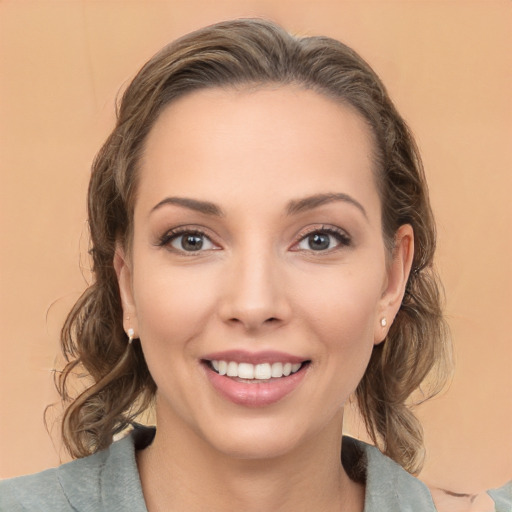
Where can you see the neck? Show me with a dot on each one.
(180, 471)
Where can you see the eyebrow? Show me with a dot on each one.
(293, 207)
(310, 202)
(205, 207)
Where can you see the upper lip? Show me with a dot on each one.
(244, 356)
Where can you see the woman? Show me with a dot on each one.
(263, 247)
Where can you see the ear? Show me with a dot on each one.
(123, 269)
(397, 275)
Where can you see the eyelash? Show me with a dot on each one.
(343, 239)
(341, 236)
(173, 234)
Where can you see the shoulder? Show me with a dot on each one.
(107, 480)
(389, 486)
(54, 489)
(502, 497)
(28, 492)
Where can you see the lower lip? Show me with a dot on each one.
(255, 393)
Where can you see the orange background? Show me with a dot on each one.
(447, 66)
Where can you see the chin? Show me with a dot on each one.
(254, 447)
(260, 438)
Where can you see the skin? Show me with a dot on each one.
(257, 285)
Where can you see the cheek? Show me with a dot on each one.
(172, 304)
(346, 332)
(340, 313)
(174, 308)
(341, 304)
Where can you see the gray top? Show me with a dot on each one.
(502, 497)
(109, 481)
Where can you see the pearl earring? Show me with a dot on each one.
(383, 322)
(130, 333)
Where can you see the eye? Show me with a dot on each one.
(187, 241)
(323, 240)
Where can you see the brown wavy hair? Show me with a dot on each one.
(236, 54)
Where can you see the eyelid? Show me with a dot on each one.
(175, 232)
(342, 235)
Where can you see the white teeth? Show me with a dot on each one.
(232, 369)
(263, 371)
(246, 371)
(277, 370)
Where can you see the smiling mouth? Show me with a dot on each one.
(255, 372)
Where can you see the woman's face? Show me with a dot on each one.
(257, 251)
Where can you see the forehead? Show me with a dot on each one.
(275, 141)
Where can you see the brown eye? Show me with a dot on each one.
(323, 240)
(190, 241)
(318, 241)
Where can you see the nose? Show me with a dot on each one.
(255, 295)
